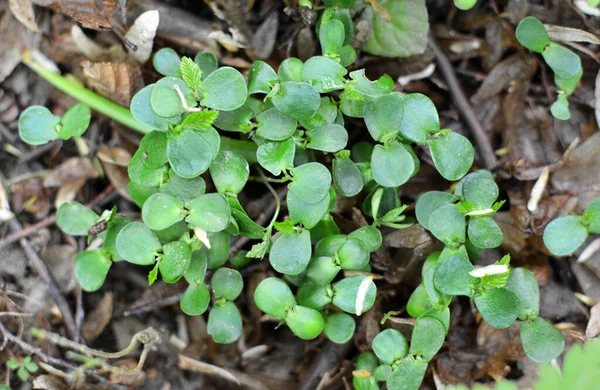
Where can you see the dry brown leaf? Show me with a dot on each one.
(118, 82)
(115, 161)
(23, 11)
(84, 11)
(96, 321)
(49, 382)
(14, 37)
(72, 169)
(593, 327)
(60, 261)
(568, 34)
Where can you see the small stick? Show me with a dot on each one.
(189, 364)
(167, 301)
(486, 152)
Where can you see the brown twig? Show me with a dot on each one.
(486, 152)
(330, 356)
(146, 307)
(39, 151)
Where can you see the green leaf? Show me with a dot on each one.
(361, 88)
(274, 297)
(560, 108)
(304, 322)
(75, 121)
(275, 156)
(297, 100)
(290, 253)
(480, 189)
(565, 235)
(75, 219)
(448, 225)
(184, 189)
(329, 245)
(339, 327)
(324, 74)
(161, 211)
(452, 154)
(189, 152)
(91, 268)
(137, 244)
(561, 60)
(153, 148)
(224, 323)
(498, 307)
(165, 100)
(306, 214)
(210, 212)
(311, 182)
(195, 299)
(568, 85)
(23, 374)
(420, 118)
(542, 342)
(430, 201)
(224, 89)
(325, 115)
(484, 232)
(261, 78)
(329, 138)
(207, 62)
(290, 69)
(347, 177)
(353, 255)
(452, 276)
(177, 257)
(383, 116)
(591, 217)
(37, 125)
(427, 337)
(166, 62)
(408, 375)
(219, 249)
(532, 34)
(392, 164)
(437, 298)
(313, 295)
(404, 35)
(191, 73)
(442, 315)
(275, 126)
(465, 5)
(227, 283)
(141, 109)
(525, 286)
(346, 294)
(390, 345)
(200, 121)
(195, 272)
(370, 237)
(322, 270)
(229, 172)
(110, 240)
(331, 37)
(142, 175)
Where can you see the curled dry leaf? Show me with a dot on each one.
(70, 176)
(568, 34)
(118, 82)
(14, 37)
(593, 326)
(114, 161)
(91, 14)
(23, 11)
(96, 321)
(60, 261)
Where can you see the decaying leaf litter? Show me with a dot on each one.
(485, 86)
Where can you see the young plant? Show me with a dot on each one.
(565, 64)
(24, 368)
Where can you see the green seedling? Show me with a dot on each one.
(24, 368)
(565, 64)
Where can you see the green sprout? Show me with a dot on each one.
(24, 368)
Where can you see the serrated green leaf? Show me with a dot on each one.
(191, 73)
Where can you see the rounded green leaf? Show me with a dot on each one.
(420, 118)
(239, 120)
(276, 156)
(532, 34)
(75, 219)
(346, 294)
(442, 315)
(370, 236)
(224, 89)
(448, 225)
(437, 298)
(227, 283)
(137, 244)
(347, 177)
(465, 4)
(452, 154)
(498, 307)
(591, 216)
(307, 214)
(427, 337)
(75, 121)
(480, 189)
(568, 85)
(561, 60)
(224, 323)
(353, 255)
(139, 193)
(290, 69)
(329, 138)
(91, 268)
(195, 272)
(153, 147)
(274, 297)
(290, 253)
(261, 78)
(484, 232)
(110, 239)
(37, 125)
(304, 322)
(383, 116)
(297, 100)
(390, 345)
(339, 327)
(207, 62)
(166, 62)
(325, 115)
(565, 235)
(195, 299)
(542, 342)
(392, 165)
(313, 295)
(141, 109)
(525, 286)
(408, 375)
(177, 256)
(560, 108)
(275, 126)
(311, 182)
(189, 153)
(164, 99)
(184, 189)
(161, 211)
(452, 276)
(430, 201)
(142, 175)
(329, 245)
(323, 73)
(210, 212)
(219, 249)
(331, 36)
(322, 270)
(229, 172)
(418, 303)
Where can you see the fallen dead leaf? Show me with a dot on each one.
(84, 12)
(60, 261)
(593, 326)
(70, 176)
(118, 82)
(96, 321)
(23, 11)
(115, 161)
(568, 34)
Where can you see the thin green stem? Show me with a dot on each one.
(277, 200)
